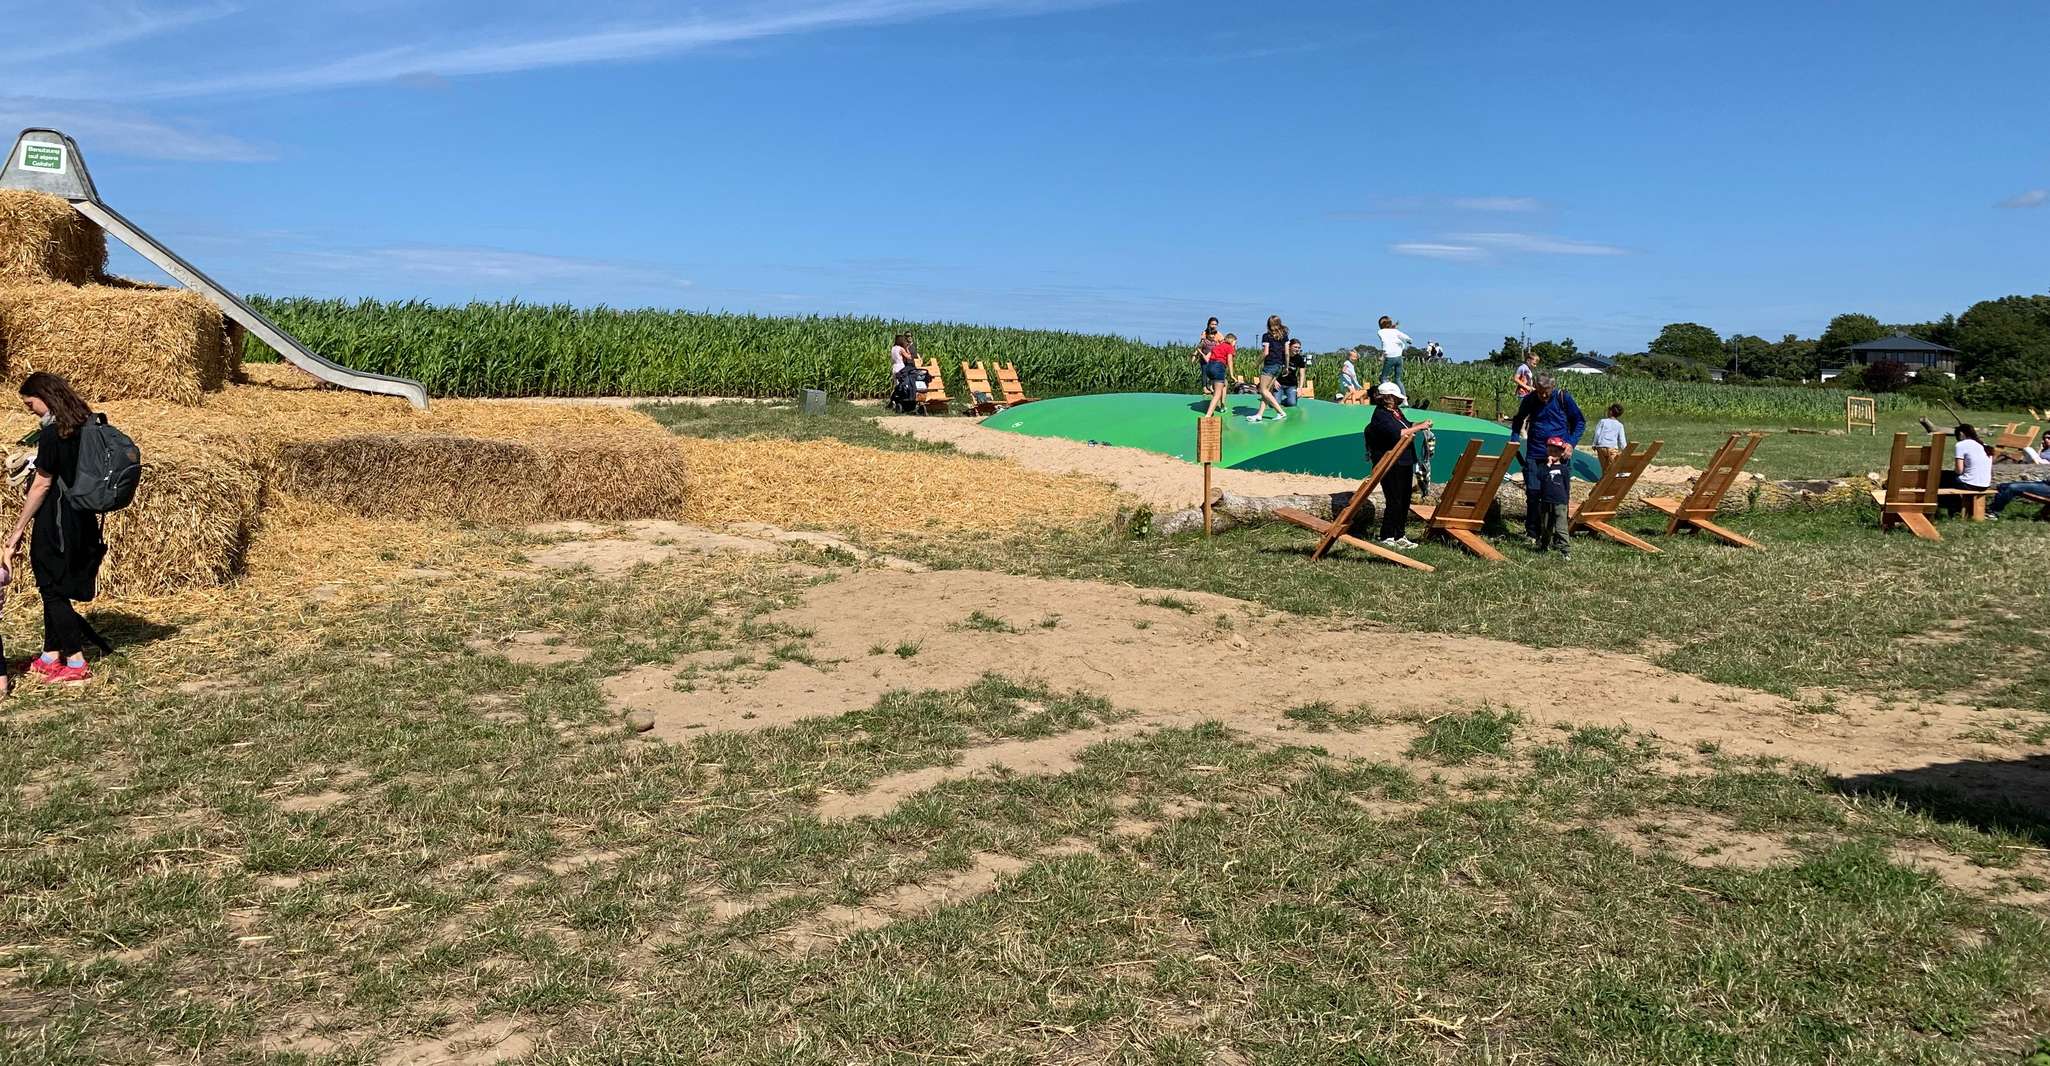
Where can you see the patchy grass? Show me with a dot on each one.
(1453, 739)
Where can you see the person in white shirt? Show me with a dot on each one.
(1393, 342)
(1974, 471)
(1609, 437)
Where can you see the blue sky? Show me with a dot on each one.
(1127, 167)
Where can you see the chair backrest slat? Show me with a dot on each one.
(1721, 474)
(1608, 494)
(1476, 478)
(1914, 473)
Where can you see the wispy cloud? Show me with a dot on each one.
(1515, 204)
(455, 51)
(1473, 247)
(1431, 250)
(109, 26)
(1538, 244)
(2031, 198)
(105, 127)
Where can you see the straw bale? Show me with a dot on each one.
(438, 476)
(115, 343)
(190, 524)
(42, 239)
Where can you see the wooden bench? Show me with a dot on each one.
(1007, 380)
(934, 399)
(1463, 508)
(1974, 501)
(980, 396)
(2037, 497)
(2008, 446)
(1914, 475)
(1698, 510)
(1458, 405)
(1597, 513)
(1339, 529)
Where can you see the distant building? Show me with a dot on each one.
(1586, 364)
(1919, 356)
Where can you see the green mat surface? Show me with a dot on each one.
(1319, 437)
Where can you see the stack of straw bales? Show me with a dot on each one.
(113, 340)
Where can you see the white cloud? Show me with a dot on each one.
(1537, 244)
(100, 127)
(503, 39)
(1516, 204)
(2031, 198)
(100, 27)
(1429, 250)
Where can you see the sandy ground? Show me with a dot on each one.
(1163, 483)
(1171, 659)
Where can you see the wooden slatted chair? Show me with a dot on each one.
(934, 399)
(1914, 476)
(1861, 411)
(1698, 510)
(1458, 405)
(1007, 380)
(1597, 513)
(2008, 446)
(1463, 507)
(1339, 529)
(980, 396)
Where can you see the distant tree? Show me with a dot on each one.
(1844, 331)
(2007, 343)
(1794, 359)
(1942, 331)
(1552, 353)
(1510, 352)
(1885, 375)
(1689, 342)
(1750, 357)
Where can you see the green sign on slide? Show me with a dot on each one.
(36, 155)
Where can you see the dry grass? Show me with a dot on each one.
(42, 240)
(876, 493)
(114, 342)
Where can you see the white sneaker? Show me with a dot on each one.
(1405, 543)
(1253, 418)
(1394, 542)
(1281, 416)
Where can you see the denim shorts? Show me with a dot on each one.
(1215, 372)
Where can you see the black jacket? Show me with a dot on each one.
(1383, 433)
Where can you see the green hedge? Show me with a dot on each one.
(531, 350)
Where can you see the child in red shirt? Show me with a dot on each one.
(1217, 370)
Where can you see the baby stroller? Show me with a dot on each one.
(906, 393)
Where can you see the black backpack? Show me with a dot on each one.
(109, 469)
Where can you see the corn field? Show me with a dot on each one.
(518, 349)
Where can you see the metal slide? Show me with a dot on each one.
(48, 161)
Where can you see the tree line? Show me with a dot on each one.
(2003, 355)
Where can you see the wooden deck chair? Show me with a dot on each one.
(934, 399)
(1698, 510)
(2008, 446)
(1861, 411)
(1007, 380)
(1914, 475)
(1458, 405)
(1463, 507)
(1339, 529)
(980, 396)
(1598, 512)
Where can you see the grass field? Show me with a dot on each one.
(1691, 442)
(366, 837)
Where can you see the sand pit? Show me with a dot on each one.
(1186, 657)
(1163, 483)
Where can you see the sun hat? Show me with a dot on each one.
(1389, 388)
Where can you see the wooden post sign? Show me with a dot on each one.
(1209, 449)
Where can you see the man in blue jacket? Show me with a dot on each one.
(1547, 411)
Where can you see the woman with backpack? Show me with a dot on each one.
(66, 550)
